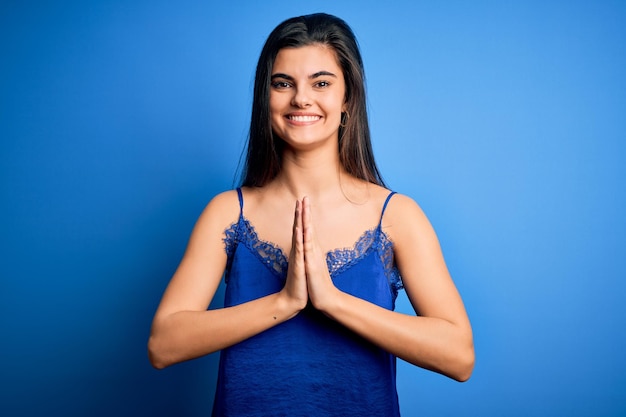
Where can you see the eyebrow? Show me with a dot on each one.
(311, 77)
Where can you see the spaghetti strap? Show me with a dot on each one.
(384, 208)
(240, 195)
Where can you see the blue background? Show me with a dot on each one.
(505, 120)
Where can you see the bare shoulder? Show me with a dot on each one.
(217, 216)
(402, 208)
(223, 208)
(405, 220)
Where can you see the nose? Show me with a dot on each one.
(300, 98)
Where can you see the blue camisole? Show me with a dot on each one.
(309, 365)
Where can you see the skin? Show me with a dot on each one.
(306, 106)
(312, 207)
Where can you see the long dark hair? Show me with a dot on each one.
(264, 151)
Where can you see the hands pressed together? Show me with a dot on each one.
(307, 276)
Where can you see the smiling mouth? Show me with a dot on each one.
(304, 119)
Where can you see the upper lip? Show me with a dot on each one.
(300, 114)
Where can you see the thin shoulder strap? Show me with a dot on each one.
(384, 208)
(240, 195)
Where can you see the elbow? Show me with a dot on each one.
(464, 371)
(156, 355)
(465, 364)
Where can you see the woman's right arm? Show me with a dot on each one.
(183, 328)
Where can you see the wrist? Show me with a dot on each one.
(329, 302)
(289, 306)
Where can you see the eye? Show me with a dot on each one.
(280, 85)
(322, 84)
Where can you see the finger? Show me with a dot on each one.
(297, 235)
(307, 221)
(299, 226)
(296, 217)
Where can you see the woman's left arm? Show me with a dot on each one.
(440, 337)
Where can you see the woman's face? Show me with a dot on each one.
(307, 96)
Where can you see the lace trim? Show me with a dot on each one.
(268, 253)
(337, 260)
(391, 270)
(341, 259)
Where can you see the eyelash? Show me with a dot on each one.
(281, 84)
(285, 84)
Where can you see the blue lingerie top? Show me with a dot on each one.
(309, 365)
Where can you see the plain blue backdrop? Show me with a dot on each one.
(119, 120)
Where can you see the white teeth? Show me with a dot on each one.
(304, 118)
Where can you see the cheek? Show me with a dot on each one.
(273, 111)
(272, 104)
(337, 105)
(276, 104)
(275, 116)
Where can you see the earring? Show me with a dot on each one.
(344, 119)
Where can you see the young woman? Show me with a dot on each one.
(314, 250)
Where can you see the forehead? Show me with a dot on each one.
(306, 60)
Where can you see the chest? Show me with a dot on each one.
(338, 227)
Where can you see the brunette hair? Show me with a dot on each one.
(264, 150)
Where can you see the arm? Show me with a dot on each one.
(440, 338)
(183, 328)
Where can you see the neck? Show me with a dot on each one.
(310, 175)
(314, 174)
